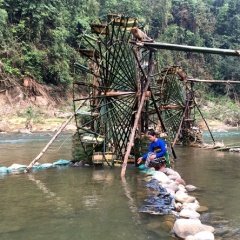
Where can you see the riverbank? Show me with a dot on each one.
(18, 125)
(45, 122)
(40, 115)
(14, 124)
(215, 126)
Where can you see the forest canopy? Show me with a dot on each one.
(40, 38)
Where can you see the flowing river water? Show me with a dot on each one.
(95, 203)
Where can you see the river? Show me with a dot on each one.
(94, 203)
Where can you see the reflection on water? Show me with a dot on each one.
(87, 203)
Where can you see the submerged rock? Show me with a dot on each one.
(185, 227)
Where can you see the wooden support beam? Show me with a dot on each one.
(185, 48)
(131, 139)
(212, 81)
(116, 94)
(180, 125)
(171, 107)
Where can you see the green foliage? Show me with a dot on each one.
(8, 67)
(220, 108)
(29, 112)
(3, 21)
(40, 38)
(32, 115)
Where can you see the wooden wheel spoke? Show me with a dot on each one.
(122, 74)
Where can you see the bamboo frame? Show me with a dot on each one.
(185, 48)
(131, 139)
(212, 81)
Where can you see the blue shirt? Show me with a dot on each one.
(159, 144)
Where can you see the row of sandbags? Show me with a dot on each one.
(19, 167)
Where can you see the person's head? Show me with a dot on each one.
(151, 135)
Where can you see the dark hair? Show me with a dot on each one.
(151, 132)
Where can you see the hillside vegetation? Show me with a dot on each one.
(39, 43)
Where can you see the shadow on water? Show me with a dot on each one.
(87, 203)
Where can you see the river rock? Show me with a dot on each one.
(202, 209)
(171, 191)
(161, 177)
(172, 174)
(204, 235)
(190, 188)
(182, 188)
(194, 206)
(170, 171)
(184, 227)
(178, 206)
(24, 130)
(181, 181)
(181, 196)
(188, 226)
(190, 237)
(190, 199)
(189, 213)
(173, 177)
(171, 185)
(4, 127)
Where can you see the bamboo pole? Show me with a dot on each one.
(205, 122)
(185, 48)
(51, 141)
(212, 81)
(180, 125)
(131, 139)
(161, 121)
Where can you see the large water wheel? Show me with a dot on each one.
(115, 74)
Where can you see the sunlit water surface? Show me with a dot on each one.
(87, 203)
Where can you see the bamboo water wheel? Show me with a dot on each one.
(115, 75)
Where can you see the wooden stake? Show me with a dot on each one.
(51, 141)
(180, 125)
(131, 139)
